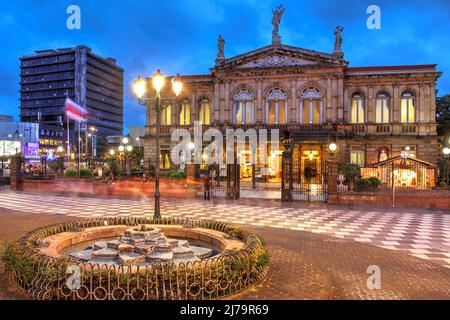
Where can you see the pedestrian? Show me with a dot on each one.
(207, 187)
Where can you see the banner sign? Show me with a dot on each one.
(75, 112)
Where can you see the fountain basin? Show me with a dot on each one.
(139, 245)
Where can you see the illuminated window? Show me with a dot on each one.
(358, 108)
(164, 159)
(276, 106)
(205, 112)
(311, 106)
(166, 116)
(243, 107)
(185, 113)
(408, 107)
(357, 156)
(382, 108)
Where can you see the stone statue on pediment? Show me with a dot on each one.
(338, 42)
(220, 49)
(276, 20)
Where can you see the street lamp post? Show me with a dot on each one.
(140, 90)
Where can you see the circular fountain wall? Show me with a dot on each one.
(138, 258)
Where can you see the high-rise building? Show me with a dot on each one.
(49, 76)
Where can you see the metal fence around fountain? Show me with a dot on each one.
(46, 278)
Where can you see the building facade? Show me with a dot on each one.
(49, 76)
(372, 113)
(19, 137)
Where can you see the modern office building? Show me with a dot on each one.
(49, 76)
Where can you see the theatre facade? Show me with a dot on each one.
(372, 113)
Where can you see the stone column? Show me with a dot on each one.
(340, 104)
(293, 105)
(333, 173)
(194, 107)
(227, 110)
(259, 113)
(329, 105)
(16, 172)
(216, 106)
(395, 104)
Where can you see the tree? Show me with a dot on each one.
(443, 115)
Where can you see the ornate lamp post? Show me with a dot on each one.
(286, 165)
(140, 90)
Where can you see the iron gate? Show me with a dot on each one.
(310, 180)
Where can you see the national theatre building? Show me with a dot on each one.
(372, 113)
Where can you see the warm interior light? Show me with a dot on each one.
(446, 151)
(191, 146)
(139, 87)
(158, 81)
(332, 147)
(177, 85)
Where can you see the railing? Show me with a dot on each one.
(409, 128)
(46, 278)
(406, 175)
(384, 129)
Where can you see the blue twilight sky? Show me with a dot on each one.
(179, 36)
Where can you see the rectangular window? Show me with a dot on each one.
(239, 112)
(408, 110)
(357, 156)
(281, 112)
(166, 116)
(185, 114)
(272, 112)
(164, 159)
(204, 113)
(316, 111)
(248, 112)
(306, 114)
(357, 112)
(382, 111)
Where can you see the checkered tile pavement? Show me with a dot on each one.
(424, 234)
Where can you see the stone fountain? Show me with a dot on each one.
(142, 245)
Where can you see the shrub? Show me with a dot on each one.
(263, 259)
(362, 185)
(71, 173)
(114, 167)
(351, 172)
(374, 182)
(174, 174)
(367, 184)
(85, 173)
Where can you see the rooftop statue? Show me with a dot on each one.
(338, 42)
(276, 20)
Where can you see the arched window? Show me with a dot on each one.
(408, 109)
(276, 106)
(204, 115)
(185, 113)
(382, 107)
(358, 108)
(243, 107)
(166, 116)
(311, 106)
